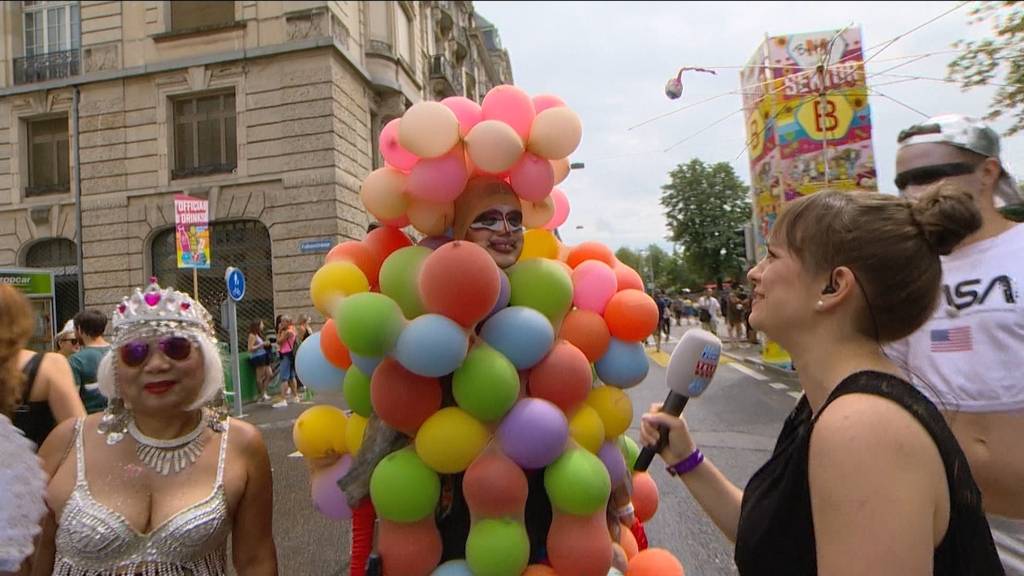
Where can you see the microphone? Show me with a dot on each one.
(690, 369)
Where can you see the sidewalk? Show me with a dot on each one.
(733, 351)
(264, 415)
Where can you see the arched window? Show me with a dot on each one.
(244, 244)
(58, 255)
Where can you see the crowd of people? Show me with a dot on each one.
(902, 457)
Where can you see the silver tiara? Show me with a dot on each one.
(159, 308)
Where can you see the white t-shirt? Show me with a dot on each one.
(970, 354)
(711, 305)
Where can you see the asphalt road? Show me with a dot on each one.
(735, 423)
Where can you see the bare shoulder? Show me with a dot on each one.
(246, 438)
(59, 442)
(866, 428)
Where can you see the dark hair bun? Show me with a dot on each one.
(946, 215)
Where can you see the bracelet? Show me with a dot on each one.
(624, 511)
(686, 464)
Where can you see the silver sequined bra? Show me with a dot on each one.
(93, 540)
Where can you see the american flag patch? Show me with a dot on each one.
(952, 340)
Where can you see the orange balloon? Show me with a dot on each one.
(460, 280)
(587, 331)
(563, 377)
(409, 549)
(358, 253)
(628, 542)
(645, 496)
(580, 545)
(561, 167)
(385, 240)
(627, 278)
(655, 562)
(332, 348)
(402, 399)
(539, 570)
(631, 315)
(495, 486)
(591, 251)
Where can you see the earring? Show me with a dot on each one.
(218, 408)
(820, 304)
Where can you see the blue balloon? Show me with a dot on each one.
(314, 370)
(522, 334)
(624, 365)
(452, 568)
(366, 364)
(431, 345)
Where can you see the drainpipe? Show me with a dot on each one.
(76, 174)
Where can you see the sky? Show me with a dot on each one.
(610, 60)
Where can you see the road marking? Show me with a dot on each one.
(659, 357)
(295, 454)
(796, 395)
(748, 371)
(778, 386)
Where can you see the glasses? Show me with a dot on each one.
(930, 174)
(136, 352)
(497, 221)
(74, 341)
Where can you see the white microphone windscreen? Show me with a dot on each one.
(693, 363)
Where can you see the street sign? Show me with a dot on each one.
(312, 246)
(236, 283)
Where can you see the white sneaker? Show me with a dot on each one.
(282, 404)
(265, 398)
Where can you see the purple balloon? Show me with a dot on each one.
(504, 295)
(328, 498)
(435, 242)
(612, 458)
(533, 434)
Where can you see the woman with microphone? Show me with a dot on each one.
(866, 477)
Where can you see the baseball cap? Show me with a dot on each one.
(969, 134)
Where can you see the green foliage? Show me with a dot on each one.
(669, 272)
(996, 60)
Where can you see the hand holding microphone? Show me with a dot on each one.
(690, 369)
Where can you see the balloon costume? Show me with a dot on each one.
(538, 356)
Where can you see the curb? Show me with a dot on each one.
(759, 363)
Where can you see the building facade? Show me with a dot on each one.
(269, 109)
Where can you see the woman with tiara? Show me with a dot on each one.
(155, 484)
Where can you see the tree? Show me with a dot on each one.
(667, 271)
(997, 55)
(705, 206)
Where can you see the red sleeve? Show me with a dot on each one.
(640, 534)
(363, 517)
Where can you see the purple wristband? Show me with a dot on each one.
(686, 464)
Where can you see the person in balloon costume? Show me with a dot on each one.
(485, 367)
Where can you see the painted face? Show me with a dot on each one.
(499, 230)
(919, 167)
(160, 373)
(783, 296)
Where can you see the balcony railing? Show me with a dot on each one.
(49, 66)
(445, 77)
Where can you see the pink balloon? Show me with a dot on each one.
(468, 112)
(532, 178)
(328, 499)
(400, 222)
(393, 152)
(512, 106)
(439, 179)
(593, 285)
(542, 102)
(561, 210)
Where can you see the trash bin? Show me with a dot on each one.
(245, 373)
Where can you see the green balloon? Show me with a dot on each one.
(497, 547)
(630, 450)
(486, 385)
(368, 323)
(543, 285)
(399, 279)
(403, 488)
(578, 483)
(357, 391)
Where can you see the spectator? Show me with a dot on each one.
(66, 341)
(286, 342)
(708, 311)
(90, 326)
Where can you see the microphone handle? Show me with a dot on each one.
(673, 405)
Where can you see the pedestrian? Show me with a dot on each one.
(286, 345)
(66, 341)
(967, 357)
(708, 311)
(302, 333)
(159, 481)
(662, 303)
(259, 358)
(866, 477)
(90, 326)
(735, 314)
(678, 309)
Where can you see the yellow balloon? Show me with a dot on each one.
(320, 431)
(587, 428)
(493, 146)
(354, 432)
(383, 194)
(539, 244)
(450, 440)
(614, 408)
(334, 281)
(556, 132)
(561, 167)
(428, 129)
(431, 218)
(537, 214)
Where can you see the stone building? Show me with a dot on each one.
(269, 109)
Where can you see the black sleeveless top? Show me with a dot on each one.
(776, 529)
(35, 419)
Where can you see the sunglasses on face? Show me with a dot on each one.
(930, 174)
(74, 341)
(497, 221)
(136, 352)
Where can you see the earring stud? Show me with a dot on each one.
(820, 304)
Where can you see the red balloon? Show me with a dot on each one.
(587, 331)
(409, 549)
(495, 487)
(460, 280)
(645, 496)
(627, 278)
(385, 240)
(580, 545)
(655, 562)
(563, 377)
(402, 399)
(631, 315)
(360, 254)
(332, 348)
(591, 251)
